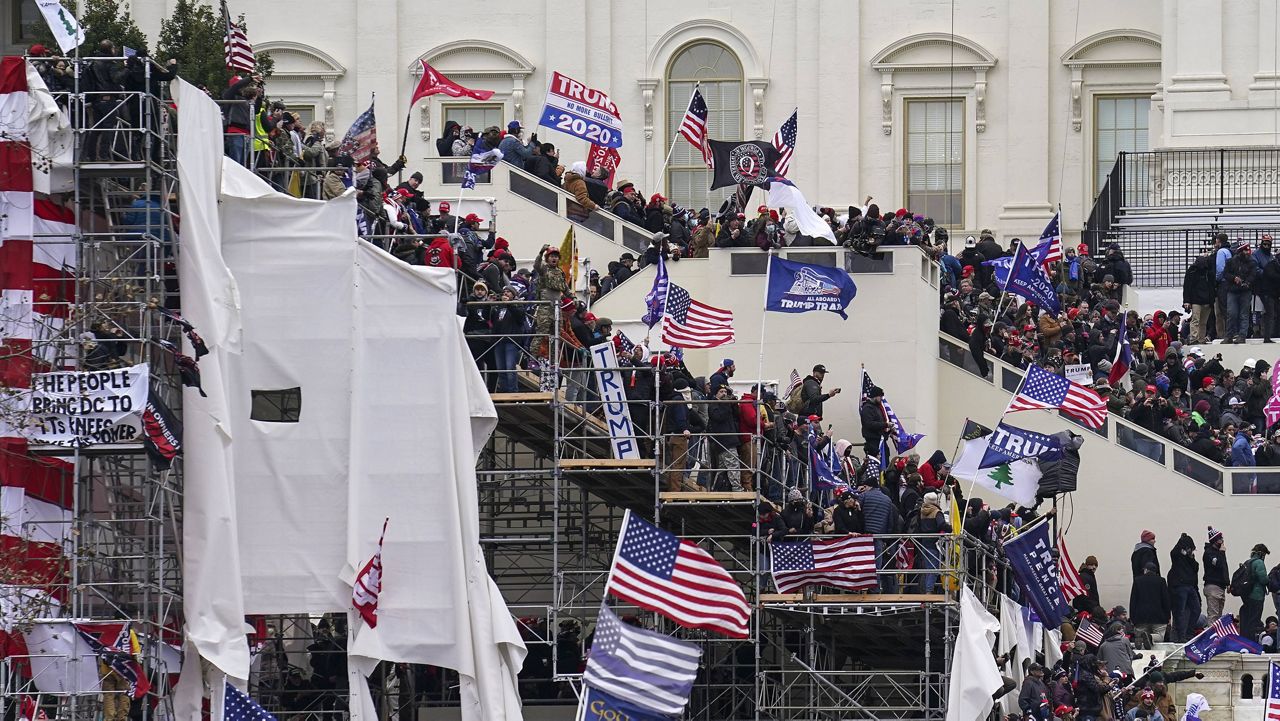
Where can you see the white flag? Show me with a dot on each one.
(784, 194)
(974, 674)
(63, 24)
(1018, 481)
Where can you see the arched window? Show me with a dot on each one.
(718, 74)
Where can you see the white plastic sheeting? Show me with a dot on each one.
(392, 415)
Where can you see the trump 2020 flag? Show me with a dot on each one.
(1028, 279)
(1010, 443)
(1030, 555)
(802, 287)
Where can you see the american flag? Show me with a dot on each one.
(368, 585)
(688, 323)
(624, 346)
(795, 383)
(237, 706)
(785, 141)
(361, 141)
(1052, 235)
(1272, 710)
(647, 669)
(906, 555)
(1068, 576)
(848, 563)
(236, 45)
(1042, 389)
(694, 125)
(1089, 632)
(656, 570)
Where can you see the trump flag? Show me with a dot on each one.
(802, 287)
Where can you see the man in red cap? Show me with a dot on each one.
(445, 221)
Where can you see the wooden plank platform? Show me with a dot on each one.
(578, 464)
(534, 397)
(707, 496)
(855, 598)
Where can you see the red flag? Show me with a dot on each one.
(433, 82)
(368, 585)
(28, 711)
(600, 156)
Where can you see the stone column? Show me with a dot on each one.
(1197, 57)
(1267, 79)
(1026, 188)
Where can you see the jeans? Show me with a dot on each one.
(927, 560)
(505, 355)
(1239, 308)
(1186, 611)
(236, 146)
(886, 553)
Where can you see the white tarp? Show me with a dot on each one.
(1015, 641)
(61, 661)
(974, 675)
(392, 415)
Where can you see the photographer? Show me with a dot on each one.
(797, 516)
(514, 151)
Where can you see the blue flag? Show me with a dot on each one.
(596, 705)
(1222, 636)
(1030, 555)
(826, 476)
(656, 300)
(902, 440)
(237, 706)
(1008, 444)
(802, 287)
(468, 179)
(1028, 279)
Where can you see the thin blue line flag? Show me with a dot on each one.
(802, 287)
(1010, 443)
(1031, 558)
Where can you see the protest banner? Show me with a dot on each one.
(583, 112)
(77, 409)
(1081, 373)
(601, 157)
(614, 396)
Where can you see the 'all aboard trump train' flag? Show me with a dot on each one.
(802, 287)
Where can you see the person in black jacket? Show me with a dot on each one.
(1149, 606)
(597, 188)
(1199, 289)
(508, 323)
(1217, 575)
(1184, 588)
(722, 427)
(811, 394)
(979, 340)
(1088, 576)
(875, 429)
(848, 516)
(444, 143)
(544, 162)
(1143, 553)
(1239, 275)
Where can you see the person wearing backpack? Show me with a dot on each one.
(1251, 586)
(1216, 574)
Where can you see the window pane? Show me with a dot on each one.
(1121, 127)
(1124, 113)
(476, 117)
(1106, 114)
(28, 19)
(935, 159)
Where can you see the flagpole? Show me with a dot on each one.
(764, 315)
(662, 174)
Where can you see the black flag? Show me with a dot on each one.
(742, 163)
(163, 439)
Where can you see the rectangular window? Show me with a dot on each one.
(935, 159)
(1121, 126)
(276, 406)
(23, 23)
(477, 117)
(688, 179)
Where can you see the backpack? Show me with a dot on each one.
(1273, 579)
(795, 400)
(1242, 580)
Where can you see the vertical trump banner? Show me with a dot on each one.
(613, 395)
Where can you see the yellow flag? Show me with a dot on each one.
(569, 258)
(951, 581)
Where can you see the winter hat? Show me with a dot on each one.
(1148, 537)
(501, 244)
(795, 495)
(932, 497)
(1091, 561)
(1202, 406)
(1214, 534)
